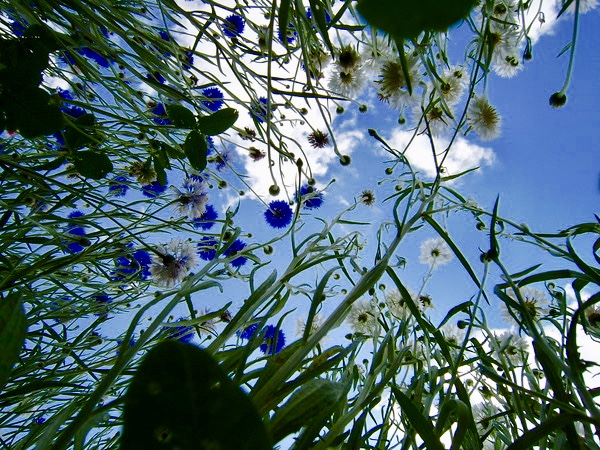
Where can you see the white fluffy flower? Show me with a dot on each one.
(173, 262)
(191, 201)
(392, 83)
(534, 301)
(363, 317)
(435, 252)
(348, 83)
(513, 347)
(452, 85)
(314, 326)
(483, 118)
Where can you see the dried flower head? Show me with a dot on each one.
(256, 154)
(367, 197)
(318, 139)
(143, 172)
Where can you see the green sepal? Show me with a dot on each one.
(181, 398)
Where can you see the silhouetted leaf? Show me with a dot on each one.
(92, 164)
(181, 116)
(195, 148)
(218, 122)
(181, 398)
(13, 328)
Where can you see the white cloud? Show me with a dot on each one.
(463, 156)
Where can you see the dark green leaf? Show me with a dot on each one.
(218, 122)
(181, 116)
(13, 328)
(195, 148)
(181, 398)
(421, 424)
(161, 174)
(92, 165)
(80, 133)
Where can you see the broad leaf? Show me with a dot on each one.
(218, 122)
(181, 398)
(181, 116)
(195, 148)
(92, 165)
(13, 328)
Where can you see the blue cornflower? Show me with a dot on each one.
(207, 248)
(103, 301)
(161, 114)
(118, 186)
(223, 160)
(164, 35)
(131, 343)
(233, 26)
(137, 262)
(94, 56)
(309, 15)
(206, 221)
(154, 189)
(290, 34)
(68, 108)
(236, 247)
(210, 144)
(274, 340)
(188, 59)
(315, 199)
(156, 76)
(279, 214)
(248, 332)
(214, 98)
(78, 241)
(39, 420)
(67, 58)
(183, 333)
(258, 109)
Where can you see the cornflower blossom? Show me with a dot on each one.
(160, 114)
(77, 234)
(452, 85)
(191, 201)
(367, 197)
(534, 302)
(233, 26)
(118, 186)
(273, 340)
(248, 332)
(592, 316)
(311, 198)
(137, 262)
(347, 83)
(207, 248)
(208, 327)
(214, 98)
(512, 347)
(154, 189)
(435, 120)
(279, 214)
(173, 262)
(363, 317)
(259, 110)
(435, 252)
(483, 118)
(374, 54)
(206, 220)
(182, 333)
(236, 247)
(223, 160)
(348, 59)
(392, 84)
(396, 304)
(94, 56)
(453, 335)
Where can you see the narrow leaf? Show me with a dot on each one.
(13, 328)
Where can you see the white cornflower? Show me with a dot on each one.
(314, 326)
(513, 347)
(392, 84)
(435, 252)
(483, 414)
(396, 304)
(375, 53)
(436, 121)
(208, 327)
(483, 118)
(508, 66)
(593, 316)
(454, 335)
(192, 199)
(363, 317)
(453, 84)
(347, 83)
(534, 301)
(173, 262)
